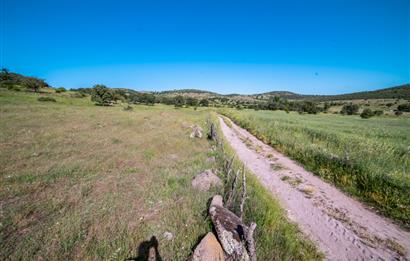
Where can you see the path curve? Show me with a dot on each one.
(342, 228)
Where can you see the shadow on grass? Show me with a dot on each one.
(148, 250)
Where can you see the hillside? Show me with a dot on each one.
(397, 92)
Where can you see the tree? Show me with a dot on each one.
(349, 109)
(60, 89)
(34, 83)
(326, 106)
(404, 107)
(102, 95)
(367, 113)
(179, 101)
(191, 101)
(204, 103)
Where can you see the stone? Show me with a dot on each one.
(230, 231)
(205, 180)
(196, 132)
(217, 201)
(168, 235)
(208, 249)
(211, 159)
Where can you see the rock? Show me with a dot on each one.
(217, 201)
(208, 249)
(196, 132)
(211, 159)
(230, 231)
(205, 180)
(168, 235)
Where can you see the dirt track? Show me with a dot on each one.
(342, 228)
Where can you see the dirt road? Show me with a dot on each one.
(342, 228)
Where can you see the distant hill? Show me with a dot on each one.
(398, 92)
(11, 80)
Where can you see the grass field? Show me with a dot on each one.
(369, 159)
(85, 182)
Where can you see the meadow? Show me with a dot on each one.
(366, 158)
(87, 182)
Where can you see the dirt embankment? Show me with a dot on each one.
(343, 228)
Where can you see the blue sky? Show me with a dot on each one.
(312, 46)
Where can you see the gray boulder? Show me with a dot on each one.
(205, 180)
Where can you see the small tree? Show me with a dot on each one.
(204, 103)
(191, 101)
(179, 101)
(326, 106)
(102, 95)
(404, 107)
(349, 109)
(60, 89)
(367, 113)
(34, 83)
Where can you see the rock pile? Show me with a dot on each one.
(234, 239)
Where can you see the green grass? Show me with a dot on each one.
(87, 182)
(368, 158)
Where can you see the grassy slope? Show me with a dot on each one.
(88, 182)
(366, 158)
(92, 183)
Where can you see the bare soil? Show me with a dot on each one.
(343, 228)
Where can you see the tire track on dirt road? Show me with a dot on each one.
(342, 228)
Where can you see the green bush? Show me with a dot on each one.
(404, 107)
(46, 99)
(60, 90)
(179, 101)
(367, 113)
(349, 109)
(102, 95)
(128, 108)
(398, 113)
(78, 95)
(13, 87)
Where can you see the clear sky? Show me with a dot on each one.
(311, 46)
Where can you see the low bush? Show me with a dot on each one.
(378, 112)
(349, 109)
(366, 113)
(46, 99)
(404, 107)
(78, 95)
(60, 90)
(128, 108)
(398, 113)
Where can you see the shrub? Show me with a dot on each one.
(398, 113)
(78, 95)
(46, 99)
(404, 107)
(179, 101)
(367, 113)
(13, 87)
(378, 112)
(34, 83)
(128, 108)
(204, 103)
(191, 101)
(349, 109)
(102, 95)
(60, 89)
